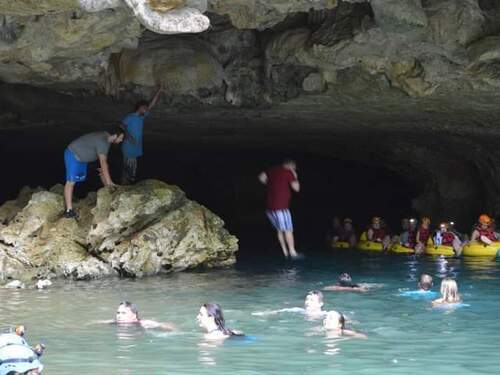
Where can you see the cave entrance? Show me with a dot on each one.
(226, 182)
(224, 179)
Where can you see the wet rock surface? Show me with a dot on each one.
(146, 229)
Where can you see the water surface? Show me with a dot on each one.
(405, 335)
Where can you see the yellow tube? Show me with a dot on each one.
(370, 246)
(400, 249)
(479, 249)
(340, 245)
(432, 249)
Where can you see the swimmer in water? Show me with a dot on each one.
(425, 283)
(128, 314)
(345, 285)
(334, 324)
(314, 304)
(211, 320)
(21, 332)
(449, 293)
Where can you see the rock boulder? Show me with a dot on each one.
(145, 229)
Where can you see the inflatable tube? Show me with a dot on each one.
(340, 245)
(370, 246)
(447, 251)
(400, 249)
(479, 249)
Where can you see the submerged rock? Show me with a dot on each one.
(42, 284)
(145, 229)
(15, 284)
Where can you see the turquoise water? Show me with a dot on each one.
(405, 335)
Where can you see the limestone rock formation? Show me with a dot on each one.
(166, 18)
(66, 47)
(185, 65)
(418, 79)
(146, 229)
(263, 14)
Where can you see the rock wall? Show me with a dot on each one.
(146, 229)
(413, 84)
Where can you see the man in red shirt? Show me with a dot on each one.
(280, 181)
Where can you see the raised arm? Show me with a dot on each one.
(105, 176)
(263, 178)
(155, 98)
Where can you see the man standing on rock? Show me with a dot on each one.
(133, 123)
(280, 181)
(87, 149)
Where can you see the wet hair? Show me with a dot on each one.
(288, 161)
(214, 310)
(139, 104)
(316, 293)
(117, 130)
(342, 321)
(131, 306)
(345, 280)
(341, 318)
(425, 282)
(449, 290)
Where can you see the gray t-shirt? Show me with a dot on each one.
(88, 147)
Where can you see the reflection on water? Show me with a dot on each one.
(405, 334)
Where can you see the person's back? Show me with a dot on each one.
(278, 187)
(280, 182)
(88, 147)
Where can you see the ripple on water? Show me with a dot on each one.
(405, 335)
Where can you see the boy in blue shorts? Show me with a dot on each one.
(87, 149)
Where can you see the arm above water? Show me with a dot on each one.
(151, 324)
(357, 335)
(338, 288)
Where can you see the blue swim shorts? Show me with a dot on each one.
(280, 219)
(76, 171)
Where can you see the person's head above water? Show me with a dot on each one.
(334, 321)
(405, 223)
(211, 319)
(314, 301)
(484, 221)
(345, 280)
(449, 290)
(426, 222)
(425, 282)
(412, 223)
(443, 227)
(348, 223)
(127, 313)
(376, 222)
(141, 107)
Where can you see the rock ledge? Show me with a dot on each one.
(146, 229)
